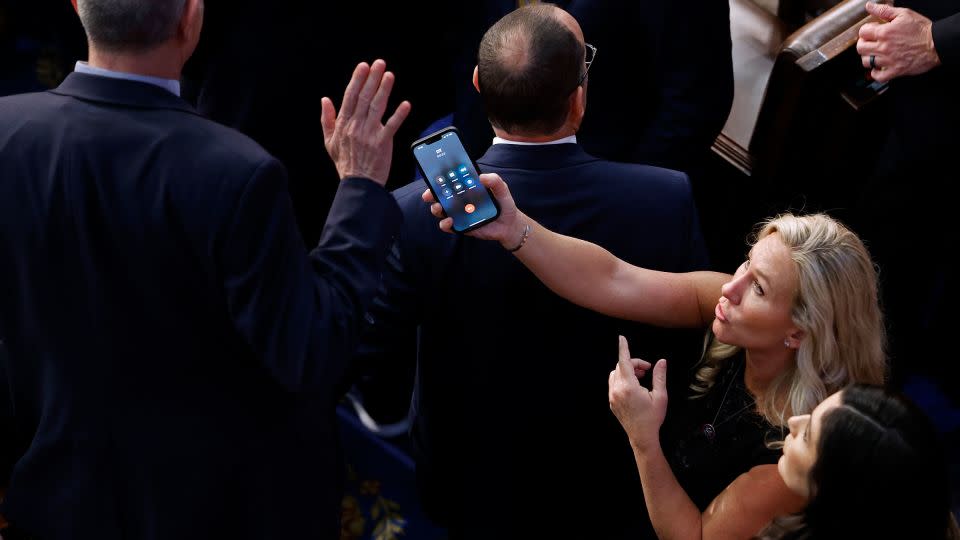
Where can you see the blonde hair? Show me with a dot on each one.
(837, 309)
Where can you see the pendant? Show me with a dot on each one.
(709, 432)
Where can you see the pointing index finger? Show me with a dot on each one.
(624, 349)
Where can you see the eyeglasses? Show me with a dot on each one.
(591, 53)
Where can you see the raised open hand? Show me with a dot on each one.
(356, 139)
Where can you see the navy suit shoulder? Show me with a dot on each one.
(410, 194)
(610, 203)
(183, 145)
(416, 213)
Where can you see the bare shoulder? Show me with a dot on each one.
(749, 503)
(767, 490)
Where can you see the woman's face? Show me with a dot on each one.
(800, 446)
(754, 311)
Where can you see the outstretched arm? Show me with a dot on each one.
(592, 277)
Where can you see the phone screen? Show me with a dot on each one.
(454, 180)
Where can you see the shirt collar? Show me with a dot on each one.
(572, 139)
(169, 85)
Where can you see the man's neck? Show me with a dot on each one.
(158, 62)
(562, 134)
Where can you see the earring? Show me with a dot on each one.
(786, 342)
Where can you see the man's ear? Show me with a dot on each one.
(476, 78)
(191, 21)
(578, 107)
(581, 99)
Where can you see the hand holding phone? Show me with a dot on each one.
(509, 229)
(454, 180)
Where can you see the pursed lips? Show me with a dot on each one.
(719, 313)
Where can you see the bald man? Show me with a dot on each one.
(512, 433)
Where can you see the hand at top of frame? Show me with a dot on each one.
(900, 45)
(356, 138)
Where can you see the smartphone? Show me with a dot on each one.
(454, 180)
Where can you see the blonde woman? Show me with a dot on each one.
(798, 321)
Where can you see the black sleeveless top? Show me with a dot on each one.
(710, 440)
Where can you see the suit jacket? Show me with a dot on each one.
(898, 214)
(946, 38)
(173, 349)
(659, 91)
(925, 109)
(511, 422)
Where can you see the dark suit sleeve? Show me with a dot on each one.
(946, 39)
(393, 316)
(386, 357)
(300, 313)
(694, 75)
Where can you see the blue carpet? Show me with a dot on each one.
(381, 501)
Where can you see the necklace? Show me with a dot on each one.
(710, 430)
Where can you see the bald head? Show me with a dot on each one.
(528, 65)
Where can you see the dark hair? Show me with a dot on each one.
(881, 472)
(529, 63)
(130, 25)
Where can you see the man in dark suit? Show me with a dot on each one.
(663, 85)
(513, 436)
(174, 351)
(916, 47)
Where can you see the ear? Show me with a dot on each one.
(581, 101)
(794, 338)
(191, 21)
(476, 78)
(577, 108)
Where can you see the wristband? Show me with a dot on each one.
(523, 239)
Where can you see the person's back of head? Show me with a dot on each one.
(836, 307)
(880, 472)
(131, 26)
(528, 65)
